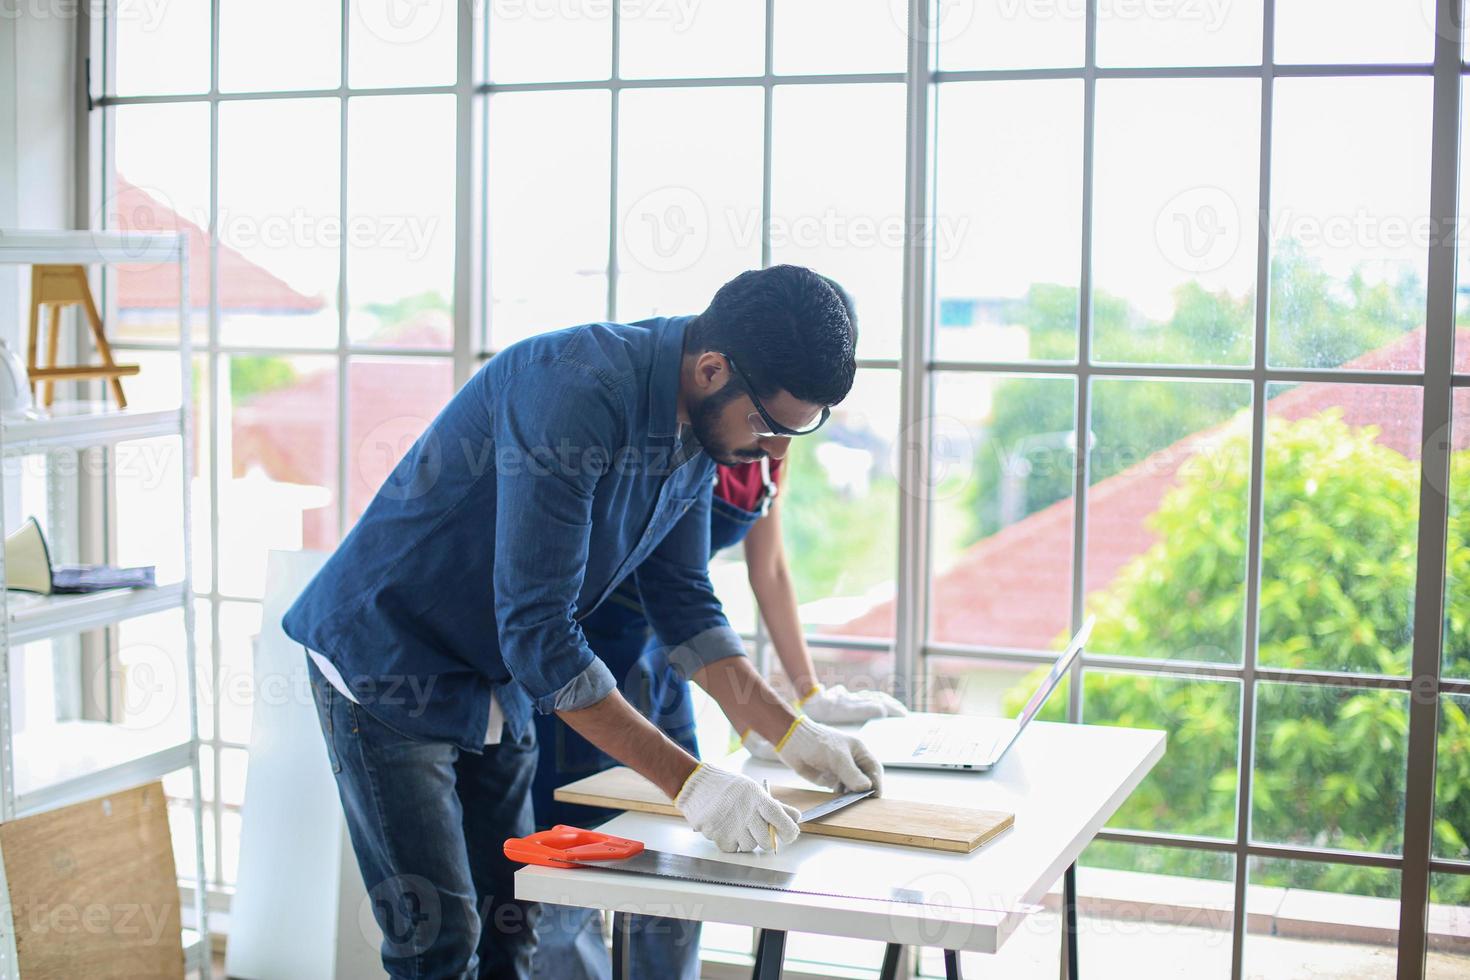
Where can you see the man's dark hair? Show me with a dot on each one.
(788, 328)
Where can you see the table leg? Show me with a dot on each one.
(770, 950)
(1069, 919)
(621, 969)
(892, 957)
(952, 965)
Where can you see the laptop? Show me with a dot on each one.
(935, 741)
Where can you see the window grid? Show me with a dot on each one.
(473, 343)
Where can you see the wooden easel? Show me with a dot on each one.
(55, 287)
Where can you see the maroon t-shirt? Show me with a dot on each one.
(741, 484)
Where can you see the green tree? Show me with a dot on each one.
(1316, 321)
(1337, 557)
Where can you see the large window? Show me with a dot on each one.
(1150, 281)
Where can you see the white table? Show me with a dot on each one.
(1063, 782)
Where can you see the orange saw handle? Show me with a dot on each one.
(566, 847)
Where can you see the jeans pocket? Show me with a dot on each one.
(324, 694)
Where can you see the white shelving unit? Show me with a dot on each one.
(77, 760)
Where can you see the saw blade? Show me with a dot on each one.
(659, 864)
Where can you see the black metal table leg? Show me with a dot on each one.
(621, 969)
(770, 950)
(892, 955)
(1069, 919)
(952, 965)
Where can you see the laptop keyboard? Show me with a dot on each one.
(947, 742)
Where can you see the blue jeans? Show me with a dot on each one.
(427, 822)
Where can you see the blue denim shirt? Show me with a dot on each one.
(556, 472)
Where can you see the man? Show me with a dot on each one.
(451, 610)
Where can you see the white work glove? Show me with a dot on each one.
(829, 758)
(839, 706)
(733, 811)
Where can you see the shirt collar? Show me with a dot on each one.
(663, 379)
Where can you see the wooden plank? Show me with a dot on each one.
(93, 889)
(882, 820)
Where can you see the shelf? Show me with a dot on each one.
(88, 247)
(79, 425)
(73, 761)
(40, 617)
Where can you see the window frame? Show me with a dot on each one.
(911, 645)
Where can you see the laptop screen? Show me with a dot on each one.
(1054, 676)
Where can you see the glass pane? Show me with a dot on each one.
(689, 193)
(162, 49)
(837, 197)
(161, 185)
(839, 513)
(1306, 919)
(1329, 766)
(204, 663)
(400, 221)
(1000, 491)
(675, 40)
(389, 402)
(1452, 780)
(1340, 527)
(1349, 209)
(874, 37)
(1154, 911)
(303, 39)
(149, 678)
(149, 475)
(1179, 33)
(181, 827)
(538, 42)
(1462, 290)
(1449, 927)
(1457, 557)
(1352, 31)
(395, 43)
(278, 485)
(1174, 246)
(990, 688)
(1008, 227)
(1166, 518)
(1009, 35)
(548, 186)
(149, 509)
(239, 624)
(1192, 789)
(279, 222)
(857, 669)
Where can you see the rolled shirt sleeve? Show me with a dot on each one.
(678, 598)
(554, 424)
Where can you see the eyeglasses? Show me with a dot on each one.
(760, 420)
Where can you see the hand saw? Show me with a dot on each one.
(571, 847)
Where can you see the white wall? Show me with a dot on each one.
(38, 79)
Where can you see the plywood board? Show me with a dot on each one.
(883, 820)
(93, 890)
